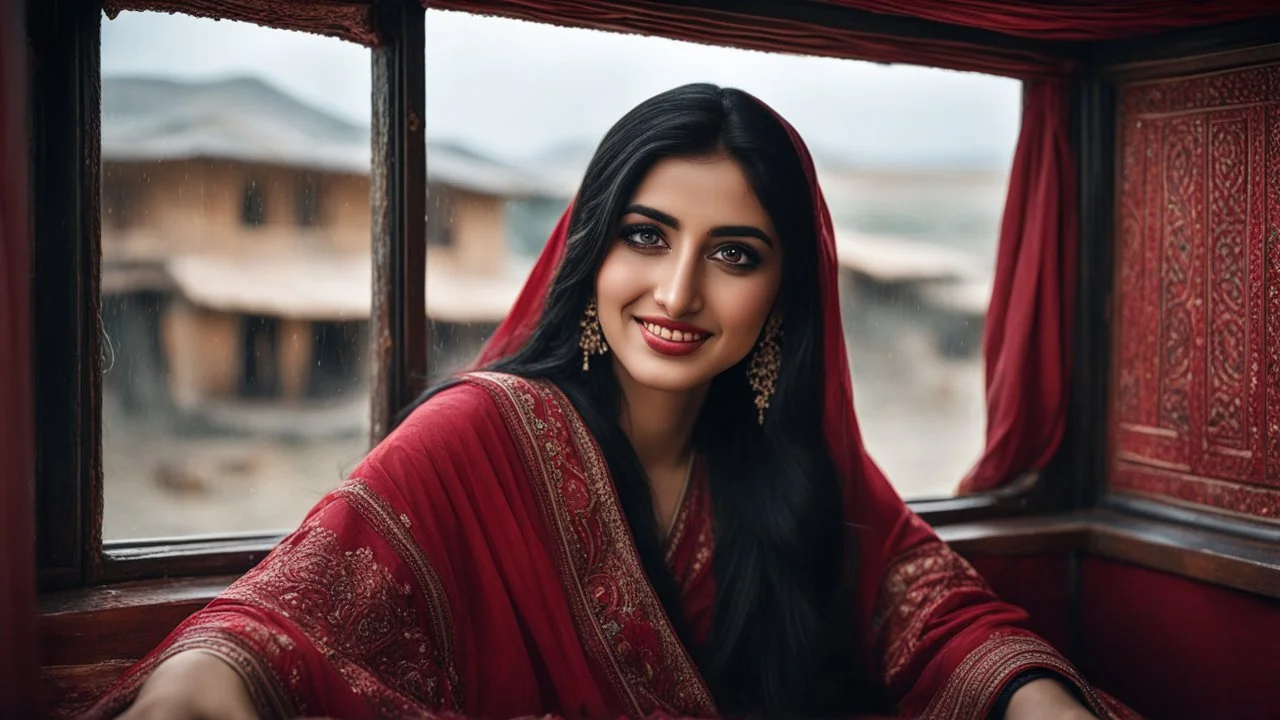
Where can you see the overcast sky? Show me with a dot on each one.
(515, 88)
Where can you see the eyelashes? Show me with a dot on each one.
(650, 238)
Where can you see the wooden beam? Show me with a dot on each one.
(1084, 453)
(399, 195)
(65, 257)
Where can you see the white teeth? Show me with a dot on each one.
(673, 335)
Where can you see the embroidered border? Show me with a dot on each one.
(266, 689)
(914, 585)
(620, 620)
(978, 680)
(380, 514)
(354, 611)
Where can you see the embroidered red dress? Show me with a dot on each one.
(478, 563)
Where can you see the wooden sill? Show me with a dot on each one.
(110, 612)
(1211, 556)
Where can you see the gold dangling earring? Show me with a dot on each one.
(591, 338)
(762, 370)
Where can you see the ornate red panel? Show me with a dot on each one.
(1196, 403)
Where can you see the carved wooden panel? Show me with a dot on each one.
(1196, 393)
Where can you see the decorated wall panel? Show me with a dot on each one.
(1196, 393)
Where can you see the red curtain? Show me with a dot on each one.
(1026, 340)
(17, 472)
(1080, 20)
(736, 29)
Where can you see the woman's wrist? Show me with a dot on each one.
(1045, 699)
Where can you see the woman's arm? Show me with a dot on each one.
(193, 685)
(1045, 699)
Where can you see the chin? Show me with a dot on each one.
(666, 375)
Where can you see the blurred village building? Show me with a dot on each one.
(236, 249)
(236, 246)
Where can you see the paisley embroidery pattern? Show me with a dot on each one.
(620, 620)
(354, 611)
(394, 528)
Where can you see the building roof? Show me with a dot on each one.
(897, 260)
(246, 119)
(310, 286)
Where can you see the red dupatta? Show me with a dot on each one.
(478, 563)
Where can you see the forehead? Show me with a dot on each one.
(705, 190)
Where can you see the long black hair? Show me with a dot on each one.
(778, 641)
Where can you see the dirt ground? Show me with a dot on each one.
(922, 417)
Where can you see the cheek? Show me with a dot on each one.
(743, 309)
(618, 284)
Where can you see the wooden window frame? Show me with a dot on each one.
(66, 257)
(65, 39)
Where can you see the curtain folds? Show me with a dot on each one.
(1080, 20)
(737, 29)
(1027, 337)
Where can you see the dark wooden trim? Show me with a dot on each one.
(399, 195)
(1082, 459)
(1214, 557)
(1027, 495)
(1233, 524)
(188, 556)
(1190, 51)
(1019, 536)
(125, 621)
(1219, 558)
(65, 254)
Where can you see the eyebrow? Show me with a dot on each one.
(722, 231)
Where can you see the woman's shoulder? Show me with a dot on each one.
(463, 417)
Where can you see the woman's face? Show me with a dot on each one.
(691, 276)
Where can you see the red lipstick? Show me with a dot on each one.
(686, 339)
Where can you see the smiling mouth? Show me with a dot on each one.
(669, 341)
(667, 333)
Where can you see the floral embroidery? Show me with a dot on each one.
(383, 518)
(620, 620)
(354, 611)
(914, 586)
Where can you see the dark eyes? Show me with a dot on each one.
(642, 235)
(649, 237)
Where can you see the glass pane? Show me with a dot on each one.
(914, 163)
(235, 273)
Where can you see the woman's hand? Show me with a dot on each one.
(1045, 699)
(193, 685)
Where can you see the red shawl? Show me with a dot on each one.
(479, 563)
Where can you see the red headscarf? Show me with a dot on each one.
(843, 436)
(885, 524)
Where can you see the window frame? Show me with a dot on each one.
(67, 260)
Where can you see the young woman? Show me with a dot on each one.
(652, 500)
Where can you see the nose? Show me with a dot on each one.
(678, 291)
